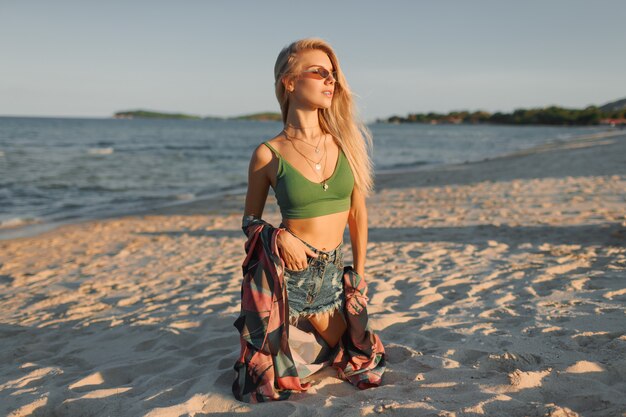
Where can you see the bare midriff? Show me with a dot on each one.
(322, 232)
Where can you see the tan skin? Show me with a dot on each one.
(322, 232)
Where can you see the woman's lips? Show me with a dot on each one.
(327, 93)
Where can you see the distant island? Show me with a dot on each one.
(146, 114)
(275, 117)
(613, 113)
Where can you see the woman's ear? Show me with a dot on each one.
(289, 84)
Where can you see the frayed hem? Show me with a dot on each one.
(326, 312)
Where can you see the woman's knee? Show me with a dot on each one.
(331, 326)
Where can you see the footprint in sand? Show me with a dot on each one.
(509, 362)
(399, 353)
(530, 379)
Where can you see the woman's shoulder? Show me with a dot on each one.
(276, 144)
(263, 153)
(277, 141)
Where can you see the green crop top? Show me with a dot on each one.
(300, 198)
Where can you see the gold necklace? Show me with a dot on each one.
(302, 140)
(317, 164)
(324, 185)
(323, 181)
(303, 128)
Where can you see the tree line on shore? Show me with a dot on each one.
(147, 114)
(613, 113)
(552, 115)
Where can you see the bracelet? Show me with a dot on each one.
(247, 219)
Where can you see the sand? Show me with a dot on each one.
(497, 287)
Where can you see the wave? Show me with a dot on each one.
(402, 165)
(100, 151)
(74, 187)
(19, 222)
(183, 147)
(185, 196)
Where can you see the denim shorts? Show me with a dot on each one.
(317, 289)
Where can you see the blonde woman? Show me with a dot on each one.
(320, 171)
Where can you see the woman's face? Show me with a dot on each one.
(309, 88)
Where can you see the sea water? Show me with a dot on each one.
(64, 170)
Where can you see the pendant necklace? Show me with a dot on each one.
(318, 167)
(324, 184)
(293, 137)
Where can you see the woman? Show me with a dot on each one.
(320, 171)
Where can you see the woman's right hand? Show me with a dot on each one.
(293, 252)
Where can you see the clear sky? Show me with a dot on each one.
(93, 58)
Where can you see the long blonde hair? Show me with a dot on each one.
(340, 120)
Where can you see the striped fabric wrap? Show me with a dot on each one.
(265, 369)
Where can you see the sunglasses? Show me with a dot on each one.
(322, 72)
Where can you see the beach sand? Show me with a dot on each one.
(498, 288)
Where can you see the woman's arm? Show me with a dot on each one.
(293, 252)
(357, 222)
(258, 182)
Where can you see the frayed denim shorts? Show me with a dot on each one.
(317, 289)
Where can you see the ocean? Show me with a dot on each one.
(60, 170)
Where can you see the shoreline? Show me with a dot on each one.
(454, 173)
(383, 179)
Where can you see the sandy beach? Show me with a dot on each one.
(498, 288)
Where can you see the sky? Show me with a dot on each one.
(216, 58)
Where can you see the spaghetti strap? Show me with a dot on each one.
(273, 150)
